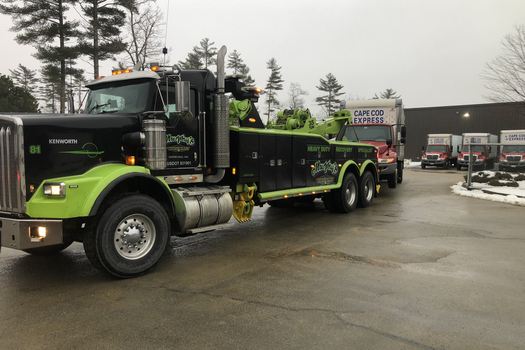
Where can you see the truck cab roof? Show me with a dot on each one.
(123, 77)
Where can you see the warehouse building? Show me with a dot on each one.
(488, 117)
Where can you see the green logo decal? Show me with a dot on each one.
(89, 149)
(325, 168)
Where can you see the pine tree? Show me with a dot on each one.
(387, 94)
(25, 78)
(235, 62)
(273, 85)
(331, 87)
(49, 88)
(15, 98)
(206, 52)
(101, 39)
(193, 61)
(43, 24)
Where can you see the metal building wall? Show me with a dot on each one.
(490, 117)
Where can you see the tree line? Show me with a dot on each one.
(66, 31)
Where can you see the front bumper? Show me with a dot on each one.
(465, 162)
(16, 233)
(437, 162)
(387, 169)
(512, 165)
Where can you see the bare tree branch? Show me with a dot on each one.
(505, 75)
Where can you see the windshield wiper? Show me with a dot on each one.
(97, 106)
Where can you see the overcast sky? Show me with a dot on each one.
(430, 51)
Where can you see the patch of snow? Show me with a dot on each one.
(511, 196)
(410, 164)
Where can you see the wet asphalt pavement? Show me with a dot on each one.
(420, 269)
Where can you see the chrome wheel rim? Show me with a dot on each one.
(369, 190)
(134, 236)
(350, 194)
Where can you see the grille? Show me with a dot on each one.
(465, 158)
(432, 157)
(514, 158)
(12, 180)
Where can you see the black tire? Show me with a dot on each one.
(423, 166)
(143, 213)
(458, 167)
(446, 165)
(400, 174)
(392, 180)
(51, 250)
(367, 185)
(345, 198)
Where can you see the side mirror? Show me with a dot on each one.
(403, 132)
(490, 149)
(402, 140)
(389, 142)
(182, 96)
(423, 148)
(457, 148)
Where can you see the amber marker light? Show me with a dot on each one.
(130, 160)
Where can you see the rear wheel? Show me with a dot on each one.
(344, 199)
(423, 166)
(367, 186)
(130, 237)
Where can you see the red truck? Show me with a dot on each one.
(381, 122)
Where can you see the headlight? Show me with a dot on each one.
(55, 189)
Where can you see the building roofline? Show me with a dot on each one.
(493, 104)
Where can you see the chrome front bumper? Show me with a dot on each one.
(16, 233)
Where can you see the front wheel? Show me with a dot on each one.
(367, 186)
(130, 237)
(400, 174)
(392, 180)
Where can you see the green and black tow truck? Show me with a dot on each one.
(161, 152)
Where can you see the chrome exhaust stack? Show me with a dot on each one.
(221, 143)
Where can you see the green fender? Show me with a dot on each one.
(82, 192)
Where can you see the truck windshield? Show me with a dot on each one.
(513, 148)
(122, 97)
(474, 148)
(367, 133)
(436, 148)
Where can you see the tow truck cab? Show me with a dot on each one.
(381, 123)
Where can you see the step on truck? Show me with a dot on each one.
(161, 152)
(512, 154)
(441, 150)
(381, 122)
(484, 155)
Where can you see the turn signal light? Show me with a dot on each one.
(130, 160)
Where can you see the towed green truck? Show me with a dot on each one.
(161, 152)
